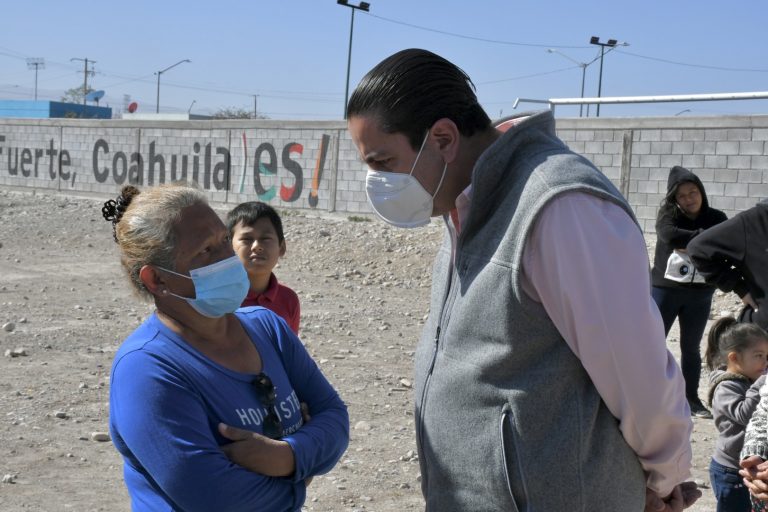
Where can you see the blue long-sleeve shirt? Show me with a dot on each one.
(167, 399)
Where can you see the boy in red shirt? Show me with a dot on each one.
(257, 238)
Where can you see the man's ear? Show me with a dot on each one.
(447, 135)
(152, 280)
(282, 248)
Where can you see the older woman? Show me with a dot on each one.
(205, 402)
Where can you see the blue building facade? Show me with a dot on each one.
(29, 109)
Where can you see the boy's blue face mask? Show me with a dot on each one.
(219, 288)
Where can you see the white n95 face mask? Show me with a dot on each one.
(399, 198)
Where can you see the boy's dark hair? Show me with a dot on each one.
(250, 212)
(728, 335)
(410, 90)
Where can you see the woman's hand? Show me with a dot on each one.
(755, 473)
(257, 453)
(749, 301)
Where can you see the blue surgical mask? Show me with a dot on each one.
(219, 288)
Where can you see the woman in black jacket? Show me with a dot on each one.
(684, 213)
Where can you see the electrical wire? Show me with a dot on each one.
(481, 39)
(703, 66)
(529, 76)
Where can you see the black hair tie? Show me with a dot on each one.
(113, 211)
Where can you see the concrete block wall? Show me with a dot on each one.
(728, 153)
(314, 165)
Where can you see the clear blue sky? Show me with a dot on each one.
(293, 54)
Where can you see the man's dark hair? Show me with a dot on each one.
(250, 212)
(410, 90)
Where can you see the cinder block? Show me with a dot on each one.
(744, 203)
(593, 147)
(661, 148)
(704, 148)
(585, 135)
(739, 162)
(641, 148)
(684, 147)
(671, 160)
(602, 160)
(714, 189)
(758, 190)
(693, 161)
(736, 189)
(715, 134)
(612, 173)
(726, 176)
(650, 160)
(640, 173)
(604, 135)
(715, 161)
(752, 148)
(612, 148)
(739, 134)
(760, 134)
(650, 135)
(659, 174)
(723, 202)
(759, 163)
(671, 135)
(727, 147)
(749, 176)
(645, 212)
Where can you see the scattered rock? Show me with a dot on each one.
(101, 437)
(9, 479)
(9, 327)
(363, 426)
(61, 415)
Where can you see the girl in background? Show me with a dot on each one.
(737, 355)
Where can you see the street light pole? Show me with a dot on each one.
(611, 43)
(364, 6)
(157, 103)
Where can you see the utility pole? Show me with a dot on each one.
(35, 63)
(255, 106)
(85, 78)
(364, 6)
(583, 66)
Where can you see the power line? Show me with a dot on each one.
(528, 76)
(462, 36)
(703, 66)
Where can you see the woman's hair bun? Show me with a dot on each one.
(113, 210)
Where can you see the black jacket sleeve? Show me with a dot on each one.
(718, 254)
(675, 237)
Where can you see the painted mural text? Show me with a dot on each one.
(207, 165)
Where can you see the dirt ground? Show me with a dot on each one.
(65, 307)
